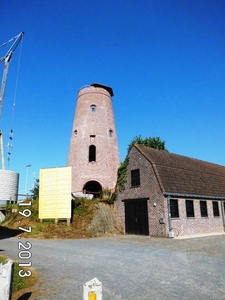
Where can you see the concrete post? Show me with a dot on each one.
(2, 217)
(93, 290)
(6, 278)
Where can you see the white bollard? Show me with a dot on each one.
(93, 290)
(6, 275)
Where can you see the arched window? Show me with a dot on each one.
(92, 153)
(75, 133)
(110, 133)
(93, 108)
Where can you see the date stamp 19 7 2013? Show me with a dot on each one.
(25, 247)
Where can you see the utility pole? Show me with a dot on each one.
(27, 166)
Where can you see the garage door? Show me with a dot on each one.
(136, 216)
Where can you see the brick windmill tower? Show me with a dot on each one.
(93, 152)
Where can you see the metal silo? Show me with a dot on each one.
(9, 183)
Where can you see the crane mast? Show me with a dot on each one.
(2, 150)
(6, 60)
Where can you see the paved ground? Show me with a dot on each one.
(129, 267)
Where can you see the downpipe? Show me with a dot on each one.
(171, 234)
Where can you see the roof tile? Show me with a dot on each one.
(184, 175)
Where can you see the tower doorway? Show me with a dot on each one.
(93, 187)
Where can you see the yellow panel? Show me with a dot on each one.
(55, 193)
(92, 296)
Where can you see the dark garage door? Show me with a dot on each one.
(136, 217)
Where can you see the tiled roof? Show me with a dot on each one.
(183, 175)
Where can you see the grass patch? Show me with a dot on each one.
(20, 283)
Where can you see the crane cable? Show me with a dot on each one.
(10, 144)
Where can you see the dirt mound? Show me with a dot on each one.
(104, 221)
(90, 218)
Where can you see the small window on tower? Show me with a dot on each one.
(75, 133)
(92, 153)
(92, 138)
(110, 133)
(93, 108)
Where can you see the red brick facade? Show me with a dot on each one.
(94, 126)
(150, 187)
(198, 224)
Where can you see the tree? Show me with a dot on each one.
(121, 175)
(35, 190)
(151, 142)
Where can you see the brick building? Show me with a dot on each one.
(93, 152)
(167, 194)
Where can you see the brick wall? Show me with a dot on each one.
(149, 188)
(197, 224)
(99, 124)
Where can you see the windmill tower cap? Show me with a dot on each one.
(107, 88)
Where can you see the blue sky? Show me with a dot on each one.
(165, 61)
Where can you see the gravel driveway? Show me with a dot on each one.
(129, 267)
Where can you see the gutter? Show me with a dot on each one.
(193, 196)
